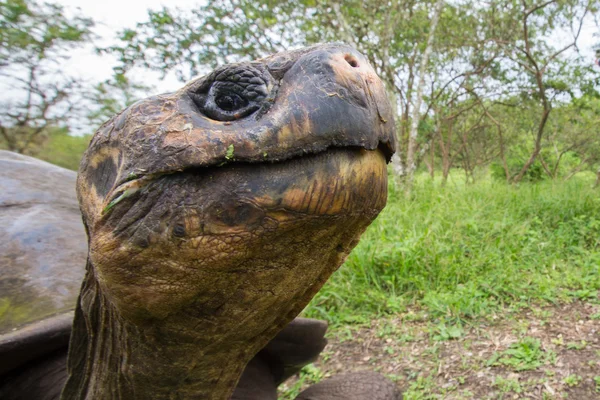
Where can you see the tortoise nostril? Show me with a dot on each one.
(351, 60)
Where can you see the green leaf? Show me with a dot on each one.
(229, 153)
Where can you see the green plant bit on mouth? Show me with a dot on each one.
(229, 154)
(124, 195)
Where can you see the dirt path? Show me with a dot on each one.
(543, 353)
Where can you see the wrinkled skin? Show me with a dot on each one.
(353, 386)
(216, 213)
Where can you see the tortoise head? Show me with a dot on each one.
(218, 211)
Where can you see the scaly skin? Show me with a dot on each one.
(207, 237)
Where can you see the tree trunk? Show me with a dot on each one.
(432, 156)
(446, 148)
(445, 172)
(416, 114)
(397, 165)
(503, 156)
(467, 164)
(546, 168)
(538, 142)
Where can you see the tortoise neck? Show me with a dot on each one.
(110, 358)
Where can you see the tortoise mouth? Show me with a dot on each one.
(135, 184)
(247, 200)
(332, 182)
(382, 148)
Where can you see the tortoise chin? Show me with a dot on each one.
(209, 239)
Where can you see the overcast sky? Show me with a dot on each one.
(112, 16)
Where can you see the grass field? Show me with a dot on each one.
(462, 251)
(481, 291)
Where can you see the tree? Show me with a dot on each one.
(412, 136)
(535, 64)
(35, 40)
(483, 56)
(572, 139)
(191, 42)
(113, 95)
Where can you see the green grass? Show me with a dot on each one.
(59, 148)
(525, 355)
(64, 150)
(464, 251)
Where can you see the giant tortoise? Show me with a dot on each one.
(213, 215)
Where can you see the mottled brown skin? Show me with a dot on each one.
(208, 236)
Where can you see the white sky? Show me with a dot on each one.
(110, 17)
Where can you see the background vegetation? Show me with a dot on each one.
(465, 251)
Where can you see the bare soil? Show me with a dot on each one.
(427, 362)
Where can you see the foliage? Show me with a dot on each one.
(534, 173)
(444, 332)
(189, 42)
(63, 149)
(571, 143)
(573, 380)
(537, 61)
(35, 40)
(112, 96)
(507, 385)
(392, 35)
(309, 375)
(490, 65)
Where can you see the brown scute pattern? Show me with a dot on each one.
(363, 385)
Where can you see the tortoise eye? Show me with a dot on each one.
(230, 102)
(232, 92)
(223, 104)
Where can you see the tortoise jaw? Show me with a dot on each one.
(173, 221)
(217, 262)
